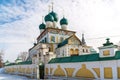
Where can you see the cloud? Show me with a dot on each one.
(13, 10)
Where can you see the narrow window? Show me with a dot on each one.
(52, 39)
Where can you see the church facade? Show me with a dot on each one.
(56, 41)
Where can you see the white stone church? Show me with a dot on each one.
(57, 42)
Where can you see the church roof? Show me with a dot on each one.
(24, 62)
(20, 63)
(63, 43)
(84, 58)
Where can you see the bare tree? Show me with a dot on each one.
(23, 56)
(1, 58)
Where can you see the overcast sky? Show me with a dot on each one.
(19, 21)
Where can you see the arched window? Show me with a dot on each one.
(83, 50)
(76, 52)
(71, 52)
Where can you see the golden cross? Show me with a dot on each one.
(63, 13)
(52, 5)
(42, 19)
(49, 8)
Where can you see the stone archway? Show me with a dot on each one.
(84, 72)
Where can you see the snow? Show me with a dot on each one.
(12, 77)
(2, 70)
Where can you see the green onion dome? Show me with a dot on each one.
(49, 17)
(55, 16)
(63, 21)
(42, 26)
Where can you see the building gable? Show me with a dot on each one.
(74, 40)
(71, 40)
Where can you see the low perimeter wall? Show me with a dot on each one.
(25, 70)
(95, 69)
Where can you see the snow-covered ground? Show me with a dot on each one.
(12, 77)
(4, 76)
(2, 70)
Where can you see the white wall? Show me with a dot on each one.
(112, 52)
(25, 73)
(89, 65)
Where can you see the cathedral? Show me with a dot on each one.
(57, 42)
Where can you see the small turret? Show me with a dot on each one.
(42, 26)
(64, 23)
(83, 40)
(107, 42)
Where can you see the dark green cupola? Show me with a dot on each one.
(107, 42)
(42, 26)
(63, 21)
(49, 17)
(55, 16)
